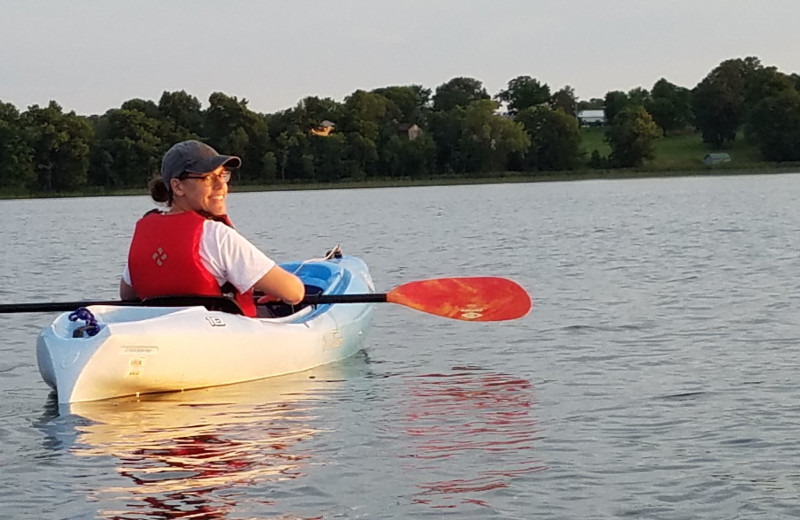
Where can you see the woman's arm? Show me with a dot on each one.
(126, 292)
(281, 284)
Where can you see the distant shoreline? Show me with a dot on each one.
(454, 180)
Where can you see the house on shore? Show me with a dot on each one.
(592, 117)
(412, 131)
(323, 130)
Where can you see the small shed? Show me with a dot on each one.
(716, 158)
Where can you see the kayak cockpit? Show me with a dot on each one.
(318, 278)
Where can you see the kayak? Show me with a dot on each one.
(107, 351)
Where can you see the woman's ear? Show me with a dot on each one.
(176, 187)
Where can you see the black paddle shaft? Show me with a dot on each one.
(315, 299)
(59, 306)
(311, 299)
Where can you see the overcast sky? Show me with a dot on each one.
(92, 55)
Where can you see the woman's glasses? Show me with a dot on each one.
(208, 178)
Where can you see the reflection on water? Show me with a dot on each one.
(188, 455)
(473, 423)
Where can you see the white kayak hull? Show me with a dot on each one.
(141, 350)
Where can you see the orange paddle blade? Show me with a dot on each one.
(480, 298)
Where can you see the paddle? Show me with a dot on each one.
(481, 298)
(469, 299)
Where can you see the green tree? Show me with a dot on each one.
(269, 170)
(370, 121)
(631, 137)
(224, 116)
(488, 138)
(328, 152)
(524, 92)
(411, 101)
(145, 106)
(591, 104)
(312, 111)
(301, 166)
(670, 106)
(458, 92)
(361, 155)
(446, 130)
(764, 82)
(410, 158)
(774, 125)
(638, 96)
(719, 99)
(127, 150)
(234, 129)
(289, 133)
(182, 117)
(794, 78)
(60, 144)
(565, 100)
(295, 163)
(16, 157)
(615, 102)
(555, 139)
(368, 114)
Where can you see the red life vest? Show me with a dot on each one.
(164, 259)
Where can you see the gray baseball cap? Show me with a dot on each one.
(193, 157)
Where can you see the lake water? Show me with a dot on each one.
(656, 376)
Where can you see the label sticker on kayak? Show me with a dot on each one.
(135, 366)
(215, 321)
(139, 349)
(471, 312)
(331, 340)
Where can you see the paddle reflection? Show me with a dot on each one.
(184, 452)
(474, 426)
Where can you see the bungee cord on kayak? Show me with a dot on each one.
(334, 252)
(90, 329)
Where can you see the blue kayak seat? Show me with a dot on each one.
(212, 303)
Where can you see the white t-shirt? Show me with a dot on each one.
(228, 256)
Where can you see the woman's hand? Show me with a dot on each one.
(266, 298)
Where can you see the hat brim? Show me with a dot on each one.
(212, 163)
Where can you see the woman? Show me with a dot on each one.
(192, 248)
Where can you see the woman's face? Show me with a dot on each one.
(202, 192)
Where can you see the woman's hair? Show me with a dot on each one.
(159, 191)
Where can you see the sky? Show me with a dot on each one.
(93, 55)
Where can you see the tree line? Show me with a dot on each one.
(402, 132)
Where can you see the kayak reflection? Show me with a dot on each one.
(182, 451)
